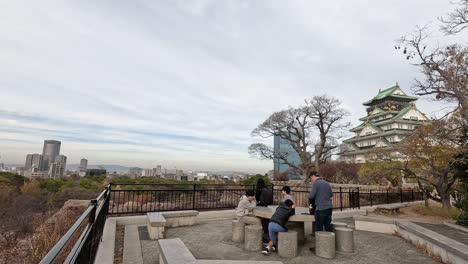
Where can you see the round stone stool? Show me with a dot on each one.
(299, 228)
(237, 231)
(344, 239)
(287, 244)
(325, 244)
(253, 237)
(338, 224)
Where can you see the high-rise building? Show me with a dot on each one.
(33, 162)
(83, 165)
(50, 150)
(57, 168)
(283, 147)
(391, 115)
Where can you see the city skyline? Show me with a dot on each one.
(184, 84)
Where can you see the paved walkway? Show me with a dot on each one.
(447, 231)
(212, 240)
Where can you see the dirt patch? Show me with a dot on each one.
(416, 212)
(119, 243)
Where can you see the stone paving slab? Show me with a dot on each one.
(444, 230)
(212, 240)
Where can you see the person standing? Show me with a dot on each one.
(322, 194)
(264, 197)
(263, 194)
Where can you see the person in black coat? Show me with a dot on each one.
(264, 197)
(278, 224)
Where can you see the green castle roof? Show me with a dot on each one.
(401, 113)
(389, 92)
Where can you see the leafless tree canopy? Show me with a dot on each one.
(445, 69)
(321, 115)
(457, 20)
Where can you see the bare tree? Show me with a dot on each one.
(329, 114)
(293, 126)
(298, 126)
(457, 20)
(445, 70)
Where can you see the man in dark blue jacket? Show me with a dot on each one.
(322, 193)
(278, 224)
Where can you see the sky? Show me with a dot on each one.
(183, 83)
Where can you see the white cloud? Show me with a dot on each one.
(184, 82)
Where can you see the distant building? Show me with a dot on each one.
(33, 162)
(134, 172)
(391, 115)
(282, 146)
(83, 165)
(57, 168)
(35, 175)
(148, 173)
(96, 172)
(50, 150)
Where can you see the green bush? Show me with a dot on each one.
(90, 184)
(253, 180)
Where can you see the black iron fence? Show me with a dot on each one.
(80, 243)
(142, 198)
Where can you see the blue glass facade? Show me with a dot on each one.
(284, 147)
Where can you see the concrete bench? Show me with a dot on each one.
(390, 208)
(158, 221)
(174, 251)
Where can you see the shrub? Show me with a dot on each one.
(437, 211)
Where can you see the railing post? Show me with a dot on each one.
(358, 198)
(370, 194)
(387, 196)
(193, 196)
(341, 199)
(92, 214)
(401, 195)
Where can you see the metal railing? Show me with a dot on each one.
(143, 198)
(80, 243)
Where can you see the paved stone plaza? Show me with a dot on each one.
(212, 240)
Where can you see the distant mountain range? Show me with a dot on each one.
(109, 168)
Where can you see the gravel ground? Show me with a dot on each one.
(212, 240)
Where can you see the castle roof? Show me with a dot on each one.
(391, 93)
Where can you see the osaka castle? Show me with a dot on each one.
(391, 115)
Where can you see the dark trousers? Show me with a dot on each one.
(323, 220)
(265, 223)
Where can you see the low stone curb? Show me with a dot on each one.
(455, 226)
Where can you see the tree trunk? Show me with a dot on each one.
(444, 197)
(424, 194)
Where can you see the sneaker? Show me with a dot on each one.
(273, 248)
(266, 251)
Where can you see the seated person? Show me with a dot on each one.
(286, 191)
(278, 224)
(245, 208)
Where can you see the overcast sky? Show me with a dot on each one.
(183, 83)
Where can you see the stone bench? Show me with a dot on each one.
(288, 244)
(158, 221)
(174, 251)
(390, 208)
